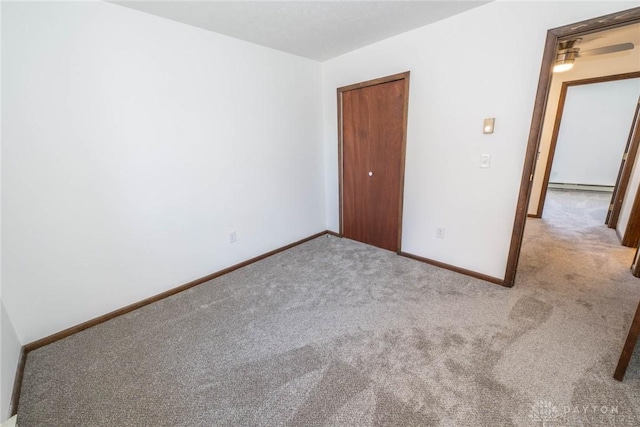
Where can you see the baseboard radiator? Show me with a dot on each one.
(581, 187)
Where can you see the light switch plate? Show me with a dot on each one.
(488, 125)
(485, 160)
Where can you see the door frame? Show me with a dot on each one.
(635, 266)
(623, 173)
(614, 20)
(392, 78)
(631, 236)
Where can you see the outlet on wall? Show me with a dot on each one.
(440, 232)
(232, 237)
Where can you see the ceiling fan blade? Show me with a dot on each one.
(607, 49)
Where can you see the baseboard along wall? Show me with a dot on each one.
(17, 385)
(455, 269)
(581, 187)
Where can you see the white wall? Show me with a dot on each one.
(597, 66)
(9, 343)
(482, 63)
(593, 133)
(132, 146)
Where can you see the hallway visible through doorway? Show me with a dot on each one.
(571, 248)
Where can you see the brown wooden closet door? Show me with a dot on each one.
(373, 128)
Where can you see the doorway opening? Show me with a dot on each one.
(588, 134)
(554, 37)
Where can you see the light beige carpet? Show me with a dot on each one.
(334, 332)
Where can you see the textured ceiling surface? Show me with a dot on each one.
(318, 30)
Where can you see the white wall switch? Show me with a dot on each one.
(488, 125)
(485, 161)
(440, 232)
(232, 237)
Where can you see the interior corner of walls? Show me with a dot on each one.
(204, 128)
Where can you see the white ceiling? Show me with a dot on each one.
(317, 30)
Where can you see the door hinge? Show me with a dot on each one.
(530, 177)
(624, 156)
(611, 207)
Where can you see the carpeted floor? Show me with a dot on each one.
(334, 332)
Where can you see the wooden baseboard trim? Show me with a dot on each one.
(455, 269)
(119, 312)
(17, 385)
(533, 216)
(333, 233)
